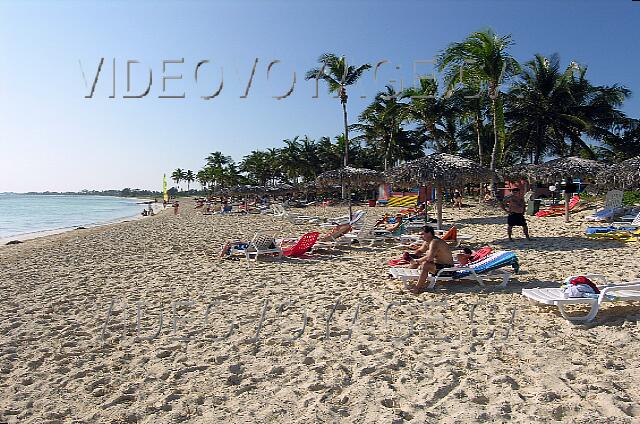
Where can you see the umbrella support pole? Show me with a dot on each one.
(566, 207)
(439, 195)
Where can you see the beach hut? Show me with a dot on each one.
(441, 170)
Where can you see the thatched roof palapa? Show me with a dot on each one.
(440, 169)
(572, 166)
(358, 177)
(625, 174)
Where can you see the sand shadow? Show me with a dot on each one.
(483, 220)
(557, 244)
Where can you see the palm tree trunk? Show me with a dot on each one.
(494, 153)
(439, 196)
(346, 134)
(478, 127)
(346, 147)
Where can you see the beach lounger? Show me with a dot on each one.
(608, 293)
(334, 238)
(612, 207)
(367, 235)
(488, 267)
(344, 219)
(629, 220)
(303, 245)
(559, 209)
(278, 210)
(262, 244)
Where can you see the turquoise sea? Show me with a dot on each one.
(32, 213)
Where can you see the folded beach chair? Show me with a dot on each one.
(302, 245)
(488, 267)
(559, 209)
(262, 244)
(608, 293)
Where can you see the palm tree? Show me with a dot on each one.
(338, 75)
(548, 107)
(485, 62)
(202, 178)
(177, 175)
(189, 177)
(381, 128)
(596, 106)
(539, 108)
(437, 116)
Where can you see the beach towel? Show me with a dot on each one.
(495, 260)
(397, 262)
(559, 209)
(480, 254)
(451, 234)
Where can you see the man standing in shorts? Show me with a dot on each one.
(514, 205)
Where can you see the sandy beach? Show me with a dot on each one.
(81, 339)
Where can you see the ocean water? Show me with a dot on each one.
(26, 213)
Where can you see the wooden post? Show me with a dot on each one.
(439, 196)
(566, 206)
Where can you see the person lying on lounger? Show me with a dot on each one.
(391, 227)
(436, 256)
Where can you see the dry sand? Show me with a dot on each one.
(59, 362)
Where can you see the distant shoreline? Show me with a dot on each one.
(157, 208)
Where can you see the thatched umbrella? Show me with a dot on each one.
(520, 171)
(352, 177)
(625, 174)
(567, 168)
(440, 169)
(245, 190)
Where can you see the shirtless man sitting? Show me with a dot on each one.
(436, 255)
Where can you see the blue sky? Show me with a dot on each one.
(52, 138)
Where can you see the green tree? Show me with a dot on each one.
(482, 60)
(381, 128)
(338, 75)
(189, 177)
(437, 117)
(177, 176)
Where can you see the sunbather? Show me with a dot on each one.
(436, 256)
(395, 225)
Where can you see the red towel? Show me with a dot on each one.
(584, 280)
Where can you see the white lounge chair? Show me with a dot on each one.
(278, 210)
(608, 293)
(262, 244)
(612, 207)
(409, 274)
(344, 219)
(629, 221)
(367, 235)
(469, 272)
